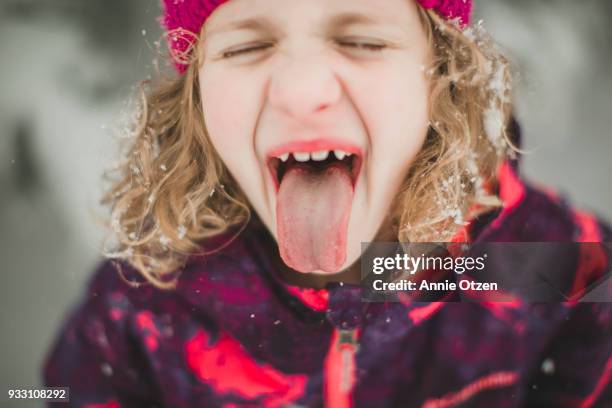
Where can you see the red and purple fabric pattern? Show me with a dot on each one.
(233, 334)
(183, 20)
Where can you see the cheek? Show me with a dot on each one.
(229, 104)
(397, 118)
(402, 115)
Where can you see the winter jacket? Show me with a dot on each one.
(233, 334)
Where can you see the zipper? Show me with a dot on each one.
(340, 368)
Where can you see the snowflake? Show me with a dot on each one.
(182, 231)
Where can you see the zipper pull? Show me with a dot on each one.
(340, 368)
(348, 346)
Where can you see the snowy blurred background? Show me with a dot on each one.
(67, 67)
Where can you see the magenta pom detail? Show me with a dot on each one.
(450, 9)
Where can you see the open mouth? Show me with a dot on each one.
(315, 185)
(315, 162)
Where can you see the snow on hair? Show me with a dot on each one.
(452, 177)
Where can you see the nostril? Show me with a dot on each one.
(303, 87)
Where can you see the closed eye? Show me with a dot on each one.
(348, 43)
(360, 44)
(246, 49)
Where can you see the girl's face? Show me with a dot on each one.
(317, 108)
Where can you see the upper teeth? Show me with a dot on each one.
(316, 156)
(301, 157)
(319, 156)
(340, 154)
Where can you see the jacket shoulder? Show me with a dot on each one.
(93, 352)
(547, 209)
(533, 213)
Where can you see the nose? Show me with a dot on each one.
(303, 85)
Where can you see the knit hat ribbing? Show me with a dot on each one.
(183, 19)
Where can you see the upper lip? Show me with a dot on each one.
(311, 146)
(316, 150)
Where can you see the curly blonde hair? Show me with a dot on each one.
(173, 190)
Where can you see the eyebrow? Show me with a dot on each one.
(350, 18)
(263, 23)
(252, 23)
(257, 23)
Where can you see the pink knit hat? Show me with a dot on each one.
(183, 20)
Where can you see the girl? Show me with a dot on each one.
(292, 132)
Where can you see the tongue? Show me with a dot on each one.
(312, 212)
